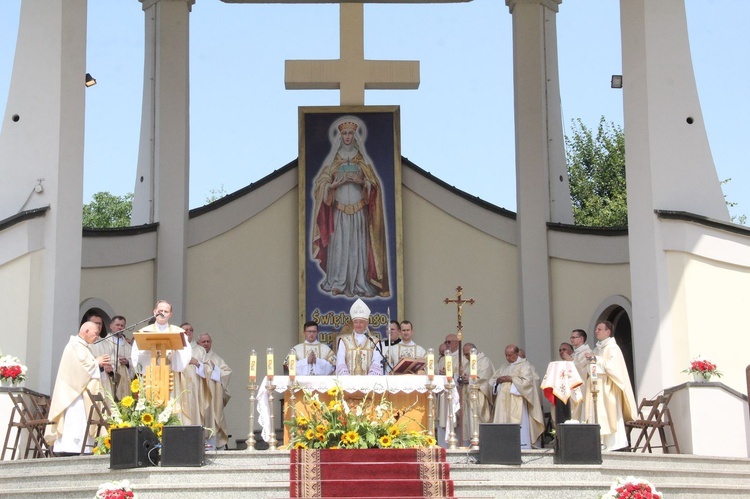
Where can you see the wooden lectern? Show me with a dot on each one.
(158, 378)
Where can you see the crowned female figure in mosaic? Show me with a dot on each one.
(349, 233)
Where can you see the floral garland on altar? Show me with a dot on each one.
(369, 424)
(137, 410)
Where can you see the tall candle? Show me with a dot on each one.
(430, 364)
(253, 366)
(448, 364)
(269, 363)
(473, 364)
(292, 364)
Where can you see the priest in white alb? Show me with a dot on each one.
(218, 374)
(69, 407)
(615, 400)
(485, 369)
(406, 348)
(190, 384)
(313, 357)
(115, 378)
(578, 339)
(179, 360)
(517, 400)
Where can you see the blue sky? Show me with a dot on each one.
(458, 125)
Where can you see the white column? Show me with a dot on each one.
(42, 138)
(541, 180)
(161, 188)
(669, 167)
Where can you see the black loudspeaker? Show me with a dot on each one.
(133, 448)
(578, 444)
(500, 444)
(183, 446)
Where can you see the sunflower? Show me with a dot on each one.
(333, 391)
(394, 431)
(127, 401)
(300, 445)
(352, 437)
(135, 385)
(157, 428)
(431, 441)
(385, 441)
(310, 434)
(321, 437)
(321, 428)
(302, 421)
(316, 404)
(107, 442)
(147, 418)
(334, 405)
(125, 424)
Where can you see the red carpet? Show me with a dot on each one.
(385, 473)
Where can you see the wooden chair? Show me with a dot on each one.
(98, 416)
(654, 416)
(28, 415)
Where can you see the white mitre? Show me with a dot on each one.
(359, 310)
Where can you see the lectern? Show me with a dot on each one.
(158, 379)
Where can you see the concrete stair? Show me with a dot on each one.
(265, 474)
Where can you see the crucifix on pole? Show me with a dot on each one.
(459, 301)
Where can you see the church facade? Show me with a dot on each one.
(674, 282)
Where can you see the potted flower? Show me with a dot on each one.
(702, 370)
(137, 410)
(115, 490)
(12, 372)
(632, 488)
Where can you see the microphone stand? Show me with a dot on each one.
(116, 335)
(384, 361)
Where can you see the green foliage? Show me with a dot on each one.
(596, 171)
(215, 194)
(107, 211)
(737, 219)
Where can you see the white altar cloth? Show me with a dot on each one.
(349, 384)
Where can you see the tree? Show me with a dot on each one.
(215, 194)
(596, 171)
(107, 211)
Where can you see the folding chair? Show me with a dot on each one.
(657, 419)
(27, 416)
(98, 416)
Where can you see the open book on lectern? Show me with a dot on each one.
(409, 365)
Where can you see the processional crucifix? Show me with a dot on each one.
(459, 301)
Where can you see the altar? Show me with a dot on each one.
(404, 392)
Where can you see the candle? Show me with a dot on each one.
(430, 364)
(253, 366)
(292, 365)
(269, 363)
(473, 364)
(448, 364)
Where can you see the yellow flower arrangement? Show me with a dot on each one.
(369, 423)
(139, 409)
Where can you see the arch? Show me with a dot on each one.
(618, 309)
(99, 306)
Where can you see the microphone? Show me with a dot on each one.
(159, 314)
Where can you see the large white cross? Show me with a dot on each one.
(351, 73)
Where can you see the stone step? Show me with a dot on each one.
(265, 474)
